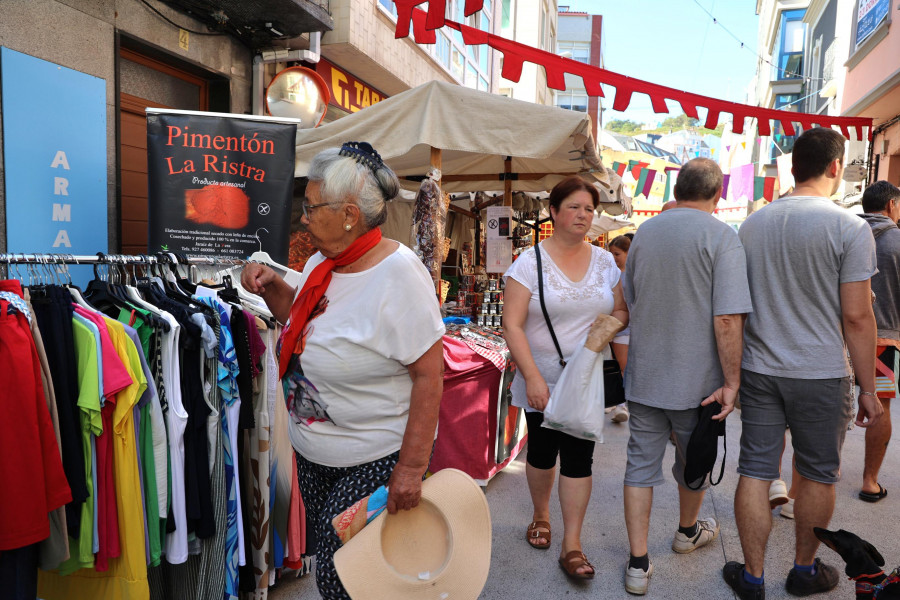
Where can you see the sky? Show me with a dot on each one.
(676, 44)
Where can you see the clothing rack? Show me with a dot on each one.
(162, 258)
(54, 262)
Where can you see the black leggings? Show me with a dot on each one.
(544, 445)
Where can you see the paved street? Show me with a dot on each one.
(520, 573)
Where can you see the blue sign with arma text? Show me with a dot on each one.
(54, 158)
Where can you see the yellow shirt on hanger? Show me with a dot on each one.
(126, 578)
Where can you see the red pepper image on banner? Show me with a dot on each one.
(223, 206)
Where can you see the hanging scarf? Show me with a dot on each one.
(314, 289)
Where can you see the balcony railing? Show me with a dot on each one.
(828, 65)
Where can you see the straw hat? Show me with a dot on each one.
(441, 549)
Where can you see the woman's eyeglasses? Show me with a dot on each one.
(305, 206)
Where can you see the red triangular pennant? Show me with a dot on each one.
(556, 67)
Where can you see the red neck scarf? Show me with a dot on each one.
(314, 289)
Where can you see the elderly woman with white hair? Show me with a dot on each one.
(360, 357)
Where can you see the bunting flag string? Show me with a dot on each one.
(671, 177)
(764, 188)
(515, 54)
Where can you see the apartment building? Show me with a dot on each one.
(872, 87)
(531, 22)
(579, 37)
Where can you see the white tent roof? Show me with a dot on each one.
(475, 130)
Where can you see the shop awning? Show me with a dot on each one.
(475, 132)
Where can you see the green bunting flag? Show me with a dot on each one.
(642, 180)
(759, 186)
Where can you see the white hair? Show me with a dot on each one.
(343, 179)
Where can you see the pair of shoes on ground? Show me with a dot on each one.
(638, 580)
(570, 563)
(798, 583)
(619, 414)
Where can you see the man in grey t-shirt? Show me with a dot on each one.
(881, 203)
(686, 287)
(809, 263)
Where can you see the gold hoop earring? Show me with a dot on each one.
(348, 227)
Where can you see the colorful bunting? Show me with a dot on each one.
(619, 168)
(639, 186)
(649, 176)
(769, 189)
(725, 181)
(742, 183)
(515, 54)
(671, 178)
(758, 187)
(785, 164)
(637, 168)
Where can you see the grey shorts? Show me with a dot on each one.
(650, 429)
(817, 412)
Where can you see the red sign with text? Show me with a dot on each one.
(347, 92)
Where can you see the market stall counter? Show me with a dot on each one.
(479, 431)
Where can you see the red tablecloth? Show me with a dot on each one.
(467, 431)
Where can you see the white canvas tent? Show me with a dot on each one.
(471, 134)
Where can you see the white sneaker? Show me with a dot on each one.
(707, 531)
(777, 493)
(620, 414)
(787, 510)
(637, 580)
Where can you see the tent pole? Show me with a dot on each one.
(439, 244)
(507, 182)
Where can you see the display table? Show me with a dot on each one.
(471, 408)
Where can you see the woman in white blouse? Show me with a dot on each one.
(361, 356)
(580, 281)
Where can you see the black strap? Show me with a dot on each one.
(540, 270)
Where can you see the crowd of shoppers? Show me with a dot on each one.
(777, 313)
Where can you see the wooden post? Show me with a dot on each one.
(439, 249)
(507, 182)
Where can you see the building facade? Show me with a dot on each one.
(531, 22)
(176, 54)
(780, 81)
(872, 86)
(579, 37)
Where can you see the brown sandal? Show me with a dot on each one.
(536, 531)
(573, 561)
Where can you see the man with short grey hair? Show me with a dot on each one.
(686, 287)
(881, 203)
(809, 263)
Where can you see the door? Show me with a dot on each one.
(146, 82)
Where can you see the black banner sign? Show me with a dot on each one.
(219, 186)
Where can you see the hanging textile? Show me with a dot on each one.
(168, 398)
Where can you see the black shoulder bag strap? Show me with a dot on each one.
(540, 270)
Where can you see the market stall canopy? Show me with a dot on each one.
(475, 131)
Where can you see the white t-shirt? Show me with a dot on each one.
(572, 307)
(376, 323)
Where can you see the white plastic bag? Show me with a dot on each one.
(576, 404)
